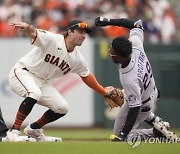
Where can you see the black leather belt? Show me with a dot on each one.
(147, 100)
(25, 69)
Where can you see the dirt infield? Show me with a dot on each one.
(86, 140)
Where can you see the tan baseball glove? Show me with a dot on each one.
(115, 100)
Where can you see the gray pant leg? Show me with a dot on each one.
(141, 117)
(121, 118)
(3, 126)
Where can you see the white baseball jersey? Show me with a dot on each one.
(50, 58)
(137, 78)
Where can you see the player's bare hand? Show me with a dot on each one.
(110, 91)
(21, 26)
(27, 29)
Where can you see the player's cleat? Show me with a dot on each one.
(115, 138)
(13, 135)
(166, 124)
(163, 127)
(158, 119)
(172, 137)
(35, 133)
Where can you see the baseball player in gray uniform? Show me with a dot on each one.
(54, 55)
(135, 73)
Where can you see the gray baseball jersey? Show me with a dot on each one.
(137, 78)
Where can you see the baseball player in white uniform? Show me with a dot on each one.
(135, 73)
(54, 55)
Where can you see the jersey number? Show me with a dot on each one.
(147, 76)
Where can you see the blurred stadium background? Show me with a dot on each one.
(162, 43)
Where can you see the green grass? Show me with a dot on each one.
(85, 141)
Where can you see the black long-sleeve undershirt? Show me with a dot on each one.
(130, 120)
(126, 23)
(123, 22)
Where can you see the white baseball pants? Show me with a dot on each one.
(26, 84)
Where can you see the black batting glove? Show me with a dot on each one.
(101, 21)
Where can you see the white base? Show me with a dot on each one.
(30, 139)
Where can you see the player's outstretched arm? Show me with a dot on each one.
(91, 82)
(27, 29)
(123, 22)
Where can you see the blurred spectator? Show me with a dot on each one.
(151, 32)
(113, 9)
(169, 25)
(5, 29)
(53, 15)
(164, 20)
(9, 11)
(46, 23)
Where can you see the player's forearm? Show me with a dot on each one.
(91, 81)
(123, 22)
(127, 23)
(30, 32)
(131, 119)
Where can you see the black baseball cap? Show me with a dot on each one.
(78, 24)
